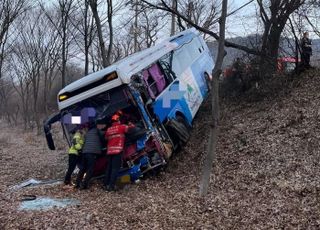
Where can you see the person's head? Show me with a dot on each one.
(306, 34)
(116, 116)
(73, 131)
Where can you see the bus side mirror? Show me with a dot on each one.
(47, 129)
(49, 138)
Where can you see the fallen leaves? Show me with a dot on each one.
(266, 175)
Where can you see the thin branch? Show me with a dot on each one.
(167, 8)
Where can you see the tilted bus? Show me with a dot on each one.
(160, 88)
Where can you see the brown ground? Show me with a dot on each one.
(267, 174)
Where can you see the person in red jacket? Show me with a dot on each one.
(115, 135)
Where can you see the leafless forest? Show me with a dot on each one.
(266, 159)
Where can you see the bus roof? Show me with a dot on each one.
(125, 68)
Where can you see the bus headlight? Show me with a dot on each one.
(62, 97)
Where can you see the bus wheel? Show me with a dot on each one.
(208, 81)
(178, 131)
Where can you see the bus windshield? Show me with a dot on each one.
(104, 106)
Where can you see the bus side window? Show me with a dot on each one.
(166, 69)
(158, 77)
(151, 84)
(155, 79)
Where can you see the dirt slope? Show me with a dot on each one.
(267, 174)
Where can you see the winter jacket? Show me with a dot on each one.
(77, 143)
(115, 135)
(306, 45)
(93, 142)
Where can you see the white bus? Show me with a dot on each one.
(160, 89)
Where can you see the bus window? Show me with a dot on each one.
(181, 60)
(151, 84)
(194, 48)
(158, 77)
(186, 55)
(165, 64)
(155, 80)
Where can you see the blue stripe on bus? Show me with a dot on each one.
(183, 39)
(177, 104)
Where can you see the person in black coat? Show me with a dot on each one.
(92, 148)
(306, 46)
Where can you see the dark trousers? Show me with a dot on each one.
(88, 162)
(73, 160)
(305, 60)
(114, 165)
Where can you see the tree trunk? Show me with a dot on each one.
(135, 27)
(93, 5)
(110, 11)
(63, 65)
(214, 126)
(271, 50)
(173, 18)
(86, 36)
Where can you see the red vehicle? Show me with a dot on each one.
(287, 64)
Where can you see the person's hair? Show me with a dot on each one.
(305, 33)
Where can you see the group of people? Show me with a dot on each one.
(89, 142)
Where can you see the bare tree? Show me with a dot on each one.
(202, 12)
(105, 55)
(151, 25)
(162, 5)
(84, 32)
(274, 22)
(110, 15)
(214, 126)
(59, 16)
(274, 15)
(173, 18)
(33, 64)
(9, 12)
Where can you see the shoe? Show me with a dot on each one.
(67, 182)
(113, 188)
(84, 187)
(109, 188)
(106, 188)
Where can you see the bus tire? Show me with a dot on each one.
(178, 131)
(183, 121)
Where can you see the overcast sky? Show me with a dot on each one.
(243, 22)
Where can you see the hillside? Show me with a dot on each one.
(266, 173)
(286, 49)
